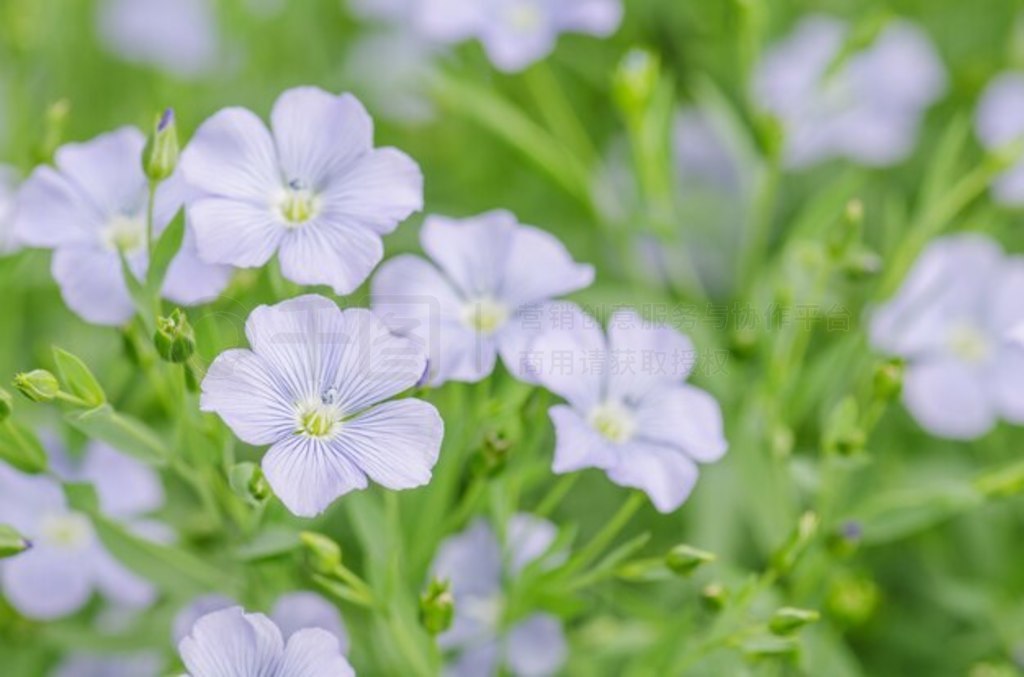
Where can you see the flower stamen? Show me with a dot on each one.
(613, 421)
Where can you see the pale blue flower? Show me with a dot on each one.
(516, 33)
(232, 643)
(314, 189)
(484, 296)
(314, 386)
(179, 37)
(482, 639)
(1000, 123)
(951, 320)
(8, 191)
(93, 204)
(80, 664)
(292, 612)
(866, 109)
(628, 411)
(67, 563)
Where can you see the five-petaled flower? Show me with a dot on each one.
(314, 189)
(628, 411)
(232, 643)
(485, 295)
(483, 638)
(91, 210)
(951, 320)
(314, 386)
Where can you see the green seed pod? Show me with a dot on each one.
(888, 380)
(174, 339)
(437, 607)
(787, 620)
(248, 482)
(37, 385)
(714, 597)
(685, 559)
(324, 555)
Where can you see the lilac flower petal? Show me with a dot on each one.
(25, 498)
(539, 267)
(571, 359)
(390, 69)
(476, 661)
(140, 664)
(304, 609)
(644, 356)
(511, 48)
(577, 444)
(409, 293)
(199, 607)
(233, 155)
(449, 21)
(244, 391)
(190, 281)
(1006, 297)
(302, 118)
(9, 180)
(901, 68)
(949, 398)
(314, 652)
(235, 232)
(51, 212)
(44, 583)
(528, 538)
(92, 285)
(378, 190)
(471, 560)
(945, 285)
(321, 252)
(536, 646)
(107, 169)
(119, 584)
(126, 487)
(685, 418)
(1007, 374)
(665, 475)
(231, 643)
(396, 443)
(999, 120)
(1008, 187)
(472, 251)
(179, 37)
(595, 17)
(308, 474)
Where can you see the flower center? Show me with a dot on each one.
(70, 530)
(613, 421)
(484, 315)
(523, 17)
(297, 204)
(486, 610)
(968, 343)
(124, 233)
(319, 417)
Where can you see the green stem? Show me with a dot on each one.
(558, 491)
(558, 111)
(611, 529)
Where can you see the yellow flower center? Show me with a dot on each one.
(320, 417)
(968, 343)
(613, 421)
(297, 204)
(68, 530)
(484, 315)
(523, 17)
(124, 233)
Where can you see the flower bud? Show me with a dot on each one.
(852, 599)
(888, 380)
(635, 80)
(324, 555)
(843, 433)
(845, 540)
(6, 405)
(11, 542)
(437, 606)
(685, 559)
(788, 620)
(770, 647)
(161, 155)
(174, 339)
(248, 482)
(37, 385)
(787, 556)
(714, 596)
(493, 455)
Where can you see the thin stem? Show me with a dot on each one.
(150, 236)
(611, 529)
(558, 111)
(556, 494)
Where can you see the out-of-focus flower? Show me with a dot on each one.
(516, 33)
(392, 69)
(179, 37)
(481, 637)
(486, 295)
(1000, 123)
(67, 563)
(79, 664)
(865, 106)
(232, 643)
(314, 387)
(92, 206)
(950, 322)
(292, 612)
(8, 192)
(314, 189)
(629, 412)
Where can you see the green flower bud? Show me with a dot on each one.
(848, 233)
(161, 155)
(685, 559)
(11, 542)
(852, 599)
(174, 339)
(714, 597)
(324, 555)
(788, 620)
(843, 433)
(862, 263)
(888, 380)
(248, 482)
(493, 455)
(770, 646)
(635, 80)
(37, 385)
(6, 405)
(437, 607)
(788, 555)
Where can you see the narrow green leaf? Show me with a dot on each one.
(127, 434)
(274, 541)
(20, 447)
(166, 248)
(82, 497)
(78, 378)
(11, 542)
